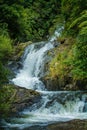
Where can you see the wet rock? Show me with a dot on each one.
(56, 43)
(16, 99)
(24, 98)
(67, 83)
(82, 84)
(47, 58)
(53, 84)
(71, 125)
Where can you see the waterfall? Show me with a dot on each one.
(54, 105)
(33, 66)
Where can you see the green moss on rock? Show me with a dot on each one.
(19, 50)
(70, 125)
(14, 98)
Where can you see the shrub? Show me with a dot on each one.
(5, 53)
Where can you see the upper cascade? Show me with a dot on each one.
(32, 67)
(33, 64)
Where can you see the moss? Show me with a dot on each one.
(14, 98)
(6, 93)
(70, 125)
(59, 65)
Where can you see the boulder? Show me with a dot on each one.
(14, 99)
(55, 84)
(67, 83)
(70, 125)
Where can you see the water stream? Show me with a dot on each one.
(54, 106)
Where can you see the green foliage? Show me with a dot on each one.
(5, 94)
(70, 62)
(4, 72)
(80, 59)
(28, 20)
(5, 54)
(79, 23)
(5, 48)
(15, 17)
(62, 64)
(72, 8)
(57, 23)
(73, 62)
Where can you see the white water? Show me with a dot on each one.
(54, 106)
(32, 67)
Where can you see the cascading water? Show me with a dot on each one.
(54, 105)
(33, 67)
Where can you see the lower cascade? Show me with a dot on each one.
(53, 106)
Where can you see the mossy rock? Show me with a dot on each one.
(70, 125)
(14, 99)
(19, 50)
